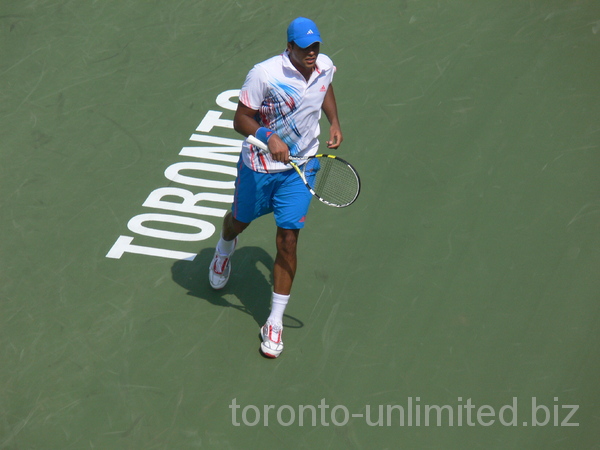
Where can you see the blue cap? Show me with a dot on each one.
(303, 32)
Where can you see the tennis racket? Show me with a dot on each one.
(329, 178)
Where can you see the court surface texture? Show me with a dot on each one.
(454, 306)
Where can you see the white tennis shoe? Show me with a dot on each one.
(271, 334)
(220, 269)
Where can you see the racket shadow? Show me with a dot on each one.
(251, 282)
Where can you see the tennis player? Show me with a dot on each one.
(280, 103)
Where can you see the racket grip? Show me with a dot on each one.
(257, 143)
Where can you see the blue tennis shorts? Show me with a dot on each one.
(281, 193)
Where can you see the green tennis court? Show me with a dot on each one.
(453, 306)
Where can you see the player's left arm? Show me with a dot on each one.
(330, 109)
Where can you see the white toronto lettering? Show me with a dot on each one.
(136, 225)
(124, 245)
(189, 203)
(213, 153)
(173, 173)
(224, 99)
(216, 140)
(204, 175)
(213, 119)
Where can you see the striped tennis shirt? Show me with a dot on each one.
(288, 104)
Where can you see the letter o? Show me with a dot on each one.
(172, 173)
(292, 416)
(224, 99)
(346, 415)
(245, 415)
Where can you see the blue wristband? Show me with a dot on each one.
(264, 134)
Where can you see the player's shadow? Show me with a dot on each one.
(251, 282)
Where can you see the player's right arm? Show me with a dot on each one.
(244, 122)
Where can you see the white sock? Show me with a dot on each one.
(225, 247)
(278, 304)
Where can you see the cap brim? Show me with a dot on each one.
(307, 41)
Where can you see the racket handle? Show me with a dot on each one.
(257, 143)
(260, 144)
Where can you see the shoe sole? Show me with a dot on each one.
(218, 287)
(267, 354)
(267, 351)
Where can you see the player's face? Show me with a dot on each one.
(304, 59)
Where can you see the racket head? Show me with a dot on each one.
(333, 180)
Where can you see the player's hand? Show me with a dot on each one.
(335, 137)
(278, 149)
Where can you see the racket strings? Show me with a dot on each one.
(333, 180)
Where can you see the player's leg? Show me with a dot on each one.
(248, 204)
(291, 204)
(285, 265)
(232, 227)
(284, 270)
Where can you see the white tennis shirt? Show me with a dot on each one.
(287, 104)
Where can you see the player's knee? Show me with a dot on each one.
(287, 240)
(232, 226)
(239, 226)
